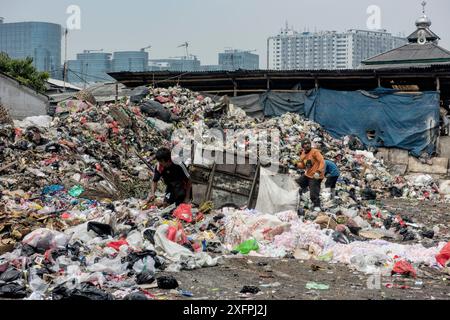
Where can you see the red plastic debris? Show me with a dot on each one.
(176, 234)
(405, 268)
(117, 244)
(65, 215)
(443, 256)
(184, 212)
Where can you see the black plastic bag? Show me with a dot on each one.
(138, 94)
(149, 235)
(145, 278)
(159, 263)
(156, 110)
(12, 291)
(100, 228)
(134, 257)
(136, 296)
(167, 282)
(368, 194)
(10, 275)
(27, 250)
(428, 234)
(86, 292)
(250, 289)
(396, 192)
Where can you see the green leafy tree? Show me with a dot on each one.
(23, 71)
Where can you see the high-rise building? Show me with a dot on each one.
(38, 40)
(237, 59)
(133, 61)
(290, 50)
(186, 64)
(90, 67)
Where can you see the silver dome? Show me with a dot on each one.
(423, 21)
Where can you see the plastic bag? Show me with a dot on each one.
(12, 290)
(52, 189)
(134, 240)
(184, 212)
(100, 228)
(146, 264)
(176, 234)
(136, 296)
(46, 239)
(145, 277)
(167, 282)
(444, 255)
(317, 286)
(247, 246)
(76, 191)
(117, 244)
(10, 275)
(112, 266)
(405, 268)
(86, 292)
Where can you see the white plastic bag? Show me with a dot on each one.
(276, 193)
(46, 239)
(146, 264)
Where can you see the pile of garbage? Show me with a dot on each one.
(95, 147)
(118, 252)
(286, 235)
(72, 225)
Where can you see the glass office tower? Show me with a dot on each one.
(38, 40)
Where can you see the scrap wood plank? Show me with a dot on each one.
(8, 166)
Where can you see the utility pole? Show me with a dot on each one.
(268, 51)
(65, 58)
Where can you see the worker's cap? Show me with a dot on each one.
(306, 141)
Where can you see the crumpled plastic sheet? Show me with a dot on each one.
(179, 254)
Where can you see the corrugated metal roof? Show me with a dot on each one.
(412, 52)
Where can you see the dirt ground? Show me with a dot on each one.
(287, 278)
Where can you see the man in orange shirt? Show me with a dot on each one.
(314, 163)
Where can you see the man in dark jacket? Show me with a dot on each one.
(176, 177)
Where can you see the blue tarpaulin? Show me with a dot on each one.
(408, 121)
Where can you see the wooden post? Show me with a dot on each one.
(235, 88)
(255, 179)
(210, 182)
(316, 83)
(379, 82)
(438, 84)
(268, 82)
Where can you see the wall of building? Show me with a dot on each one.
(131, 61)
(291, 50)
(21, 101)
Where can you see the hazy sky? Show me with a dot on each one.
(212, 25)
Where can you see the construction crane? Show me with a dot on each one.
(185, 45)
(143, 49)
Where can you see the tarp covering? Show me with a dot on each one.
(251, 104)
(270, 104)
(276, 104)
(406, 121)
